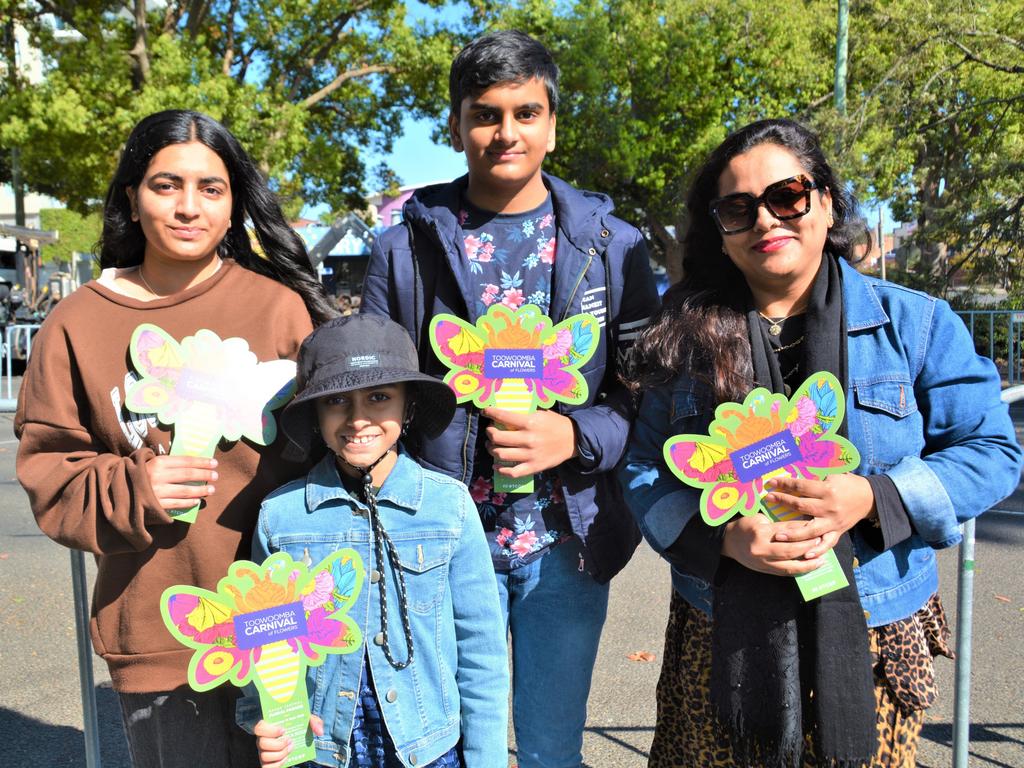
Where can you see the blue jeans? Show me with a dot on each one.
(186, 729)
(555, 612)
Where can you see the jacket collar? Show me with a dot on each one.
(403, 487)
(860, 301)
(580, 216)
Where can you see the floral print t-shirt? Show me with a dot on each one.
(512, 260)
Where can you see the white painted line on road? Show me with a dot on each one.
(6, 442)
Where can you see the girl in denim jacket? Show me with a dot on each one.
(752, 674)
(430, 687)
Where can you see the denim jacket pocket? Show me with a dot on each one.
(894, 397)
(424, 561)
(888, 420)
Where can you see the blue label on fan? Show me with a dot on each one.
(270, 625)
(765, 455)
(513, 363)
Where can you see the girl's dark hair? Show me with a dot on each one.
(505, 56)
(702, 325)
(122, 243)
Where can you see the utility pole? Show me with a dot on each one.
(881, 242)
(842, 45)
(842, 40)
(17, 185)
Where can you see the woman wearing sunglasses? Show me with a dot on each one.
(752, 674)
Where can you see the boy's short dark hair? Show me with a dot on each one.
(505, 56)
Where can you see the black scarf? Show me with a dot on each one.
(782, 667)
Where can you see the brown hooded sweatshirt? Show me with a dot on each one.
(82, 458)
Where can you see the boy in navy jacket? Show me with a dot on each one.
(508, 233)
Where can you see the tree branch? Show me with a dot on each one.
(1010, 70)
(343, 78)
(197, 12)
(996, 36)
(172, 17)
(971, 108)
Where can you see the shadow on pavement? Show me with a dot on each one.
(28, 741)
(942, 733)
(997, 526)
(609, 733)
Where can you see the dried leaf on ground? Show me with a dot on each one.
(1002, 598)
(641, 656)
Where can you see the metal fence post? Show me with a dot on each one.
(964, 622)
(90, 719)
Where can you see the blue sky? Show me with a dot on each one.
(418, 160)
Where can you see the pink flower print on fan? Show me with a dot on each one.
(803, 417)
(320, 630)
(547, 252)
(321, 592)
(560, 346)
(480, 490)
(503, 537)
(513, 298)
(524, 543)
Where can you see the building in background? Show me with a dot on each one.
(339, 252)
(386, 208)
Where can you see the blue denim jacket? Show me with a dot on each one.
(457, 685)
(921, 407)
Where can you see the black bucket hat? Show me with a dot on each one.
(358, 351)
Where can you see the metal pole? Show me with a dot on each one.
(964, 620)
(1010, 344)
(991, 336)
(881, 242)
(842, 37)
(80, 587)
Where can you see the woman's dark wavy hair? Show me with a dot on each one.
(122, 243)
(701, 327)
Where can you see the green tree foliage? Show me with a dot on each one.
(935, 126)
(77, 233)
(308, 86)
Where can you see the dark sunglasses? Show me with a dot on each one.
(785, 200)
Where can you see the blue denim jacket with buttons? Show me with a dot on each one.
(921, 407)
(457, 684)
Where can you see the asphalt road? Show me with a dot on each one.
(40, 702)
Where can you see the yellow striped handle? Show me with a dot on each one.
(513, 395)
(278, 670)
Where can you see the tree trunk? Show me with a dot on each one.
(671, 246)
(139, 51)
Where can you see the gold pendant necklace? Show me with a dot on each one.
(774, 323)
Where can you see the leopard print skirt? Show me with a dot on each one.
(688, 734)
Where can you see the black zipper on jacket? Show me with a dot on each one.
(572, 294)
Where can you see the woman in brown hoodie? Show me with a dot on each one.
(176, 253)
